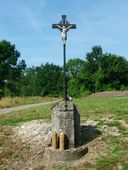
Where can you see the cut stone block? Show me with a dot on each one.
(66, 118)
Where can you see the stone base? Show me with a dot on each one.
(66, 118)
(66, 155)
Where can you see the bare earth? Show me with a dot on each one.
(110, 93)
(22, 147)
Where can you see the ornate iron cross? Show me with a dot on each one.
(64, 26)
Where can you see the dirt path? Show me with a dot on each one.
(8, 110)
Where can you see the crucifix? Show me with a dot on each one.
(64, 26)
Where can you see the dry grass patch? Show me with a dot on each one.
(16, 101)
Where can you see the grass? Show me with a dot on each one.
(16, 101)
(90, 108)
(117, 124)
(116, 157)
(114, 108)
(41, 112)
(96, 108)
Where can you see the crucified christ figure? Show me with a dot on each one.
(64, 31)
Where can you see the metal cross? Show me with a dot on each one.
(64, 26)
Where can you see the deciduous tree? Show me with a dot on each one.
(10, 67)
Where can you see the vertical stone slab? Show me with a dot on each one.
(66, 118)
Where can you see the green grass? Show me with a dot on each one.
(116, 108)
(41, 112)
(117, 124)
(117, 156)
(92, 108)
(96, 108)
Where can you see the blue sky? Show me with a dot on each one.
(27, 24)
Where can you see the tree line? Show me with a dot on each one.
(98, 71)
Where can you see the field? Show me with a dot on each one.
(17, 101)
(107, 141)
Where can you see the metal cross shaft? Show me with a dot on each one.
(64, 26)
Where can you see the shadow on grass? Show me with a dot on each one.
(88, 133)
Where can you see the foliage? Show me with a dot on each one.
(43, 80)
(103, 72)
(75, 88)
(115, 70)
(10, 68)
(74, 67)
(49, 76)
(97, 72)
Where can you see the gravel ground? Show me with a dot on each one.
(23, 146)
(34, 132)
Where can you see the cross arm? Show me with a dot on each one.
(73, 26)
(54, 26)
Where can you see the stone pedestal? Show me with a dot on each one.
(66, 118)
(66, 155)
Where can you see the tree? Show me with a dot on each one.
(42, 80)
(104, 71)
(93, 57)
(90, 67)
(10, 67)
(74, 66)
(28, 83)
(49, 80)
(115, 70)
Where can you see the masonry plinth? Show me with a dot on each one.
(66, 119)
(71, 154)
(66, 125)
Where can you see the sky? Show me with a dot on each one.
(28, 25)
